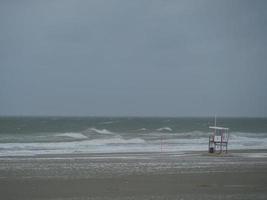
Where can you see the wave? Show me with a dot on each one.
(84, 146)
(117, 140)
(204, 134)
(185, 135)
(72, 135)
(89, 141)
(107, 122)
(194, 134)
(141, 129)
(248, 134)
(99, 131)
(119, 144)
(164, 129)
(183, 141)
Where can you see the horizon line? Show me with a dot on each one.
(133, 116)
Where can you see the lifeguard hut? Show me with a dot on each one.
(218, 140)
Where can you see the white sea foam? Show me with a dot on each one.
(142, 129)
(192, 134)
(100, 131)
(116, 140)
(164, 129)
(240, 142)
(86, 146)
(72, 135)
(111, 142)
(248, 134)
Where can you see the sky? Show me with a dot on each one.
(133, 58)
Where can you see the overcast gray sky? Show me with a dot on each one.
(133, 58)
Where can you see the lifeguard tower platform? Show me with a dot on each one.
(218, 141)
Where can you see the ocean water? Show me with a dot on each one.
(27, 136)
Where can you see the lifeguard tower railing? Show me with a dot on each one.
(218, 140)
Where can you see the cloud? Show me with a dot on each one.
(133, 57)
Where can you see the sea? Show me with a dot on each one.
(31, 136)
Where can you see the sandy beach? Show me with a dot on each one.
(191, 175)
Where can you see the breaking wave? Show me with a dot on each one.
(116, 144)
(72, 135)
(99, 131)
(95, 140)
(186, 135)
(164, 129)
(117, 140)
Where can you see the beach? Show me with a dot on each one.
(169, 175)
(63, 158)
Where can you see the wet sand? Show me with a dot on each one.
(193, 175)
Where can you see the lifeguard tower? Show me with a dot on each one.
(218, 140)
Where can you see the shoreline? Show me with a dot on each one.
(138, 153)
